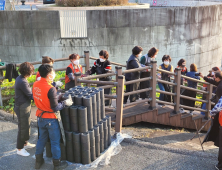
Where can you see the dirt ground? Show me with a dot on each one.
(169, 136)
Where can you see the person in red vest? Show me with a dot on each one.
(45, 98)
(49, 61)
(72, 68)
(45, 60)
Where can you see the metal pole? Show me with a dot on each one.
(153, 85)
(177, 90)
(77, 76)
(119, 103)
(208, 105)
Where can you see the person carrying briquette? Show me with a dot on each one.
(48, 116)
(22, 108)
(72, 68)
(132, 63)
(164, 76)
(146, 60)
(49, 61)
(102, 66)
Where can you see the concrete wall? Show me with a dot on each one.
(193, 33)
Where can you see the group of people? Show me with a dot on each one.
(48, 102)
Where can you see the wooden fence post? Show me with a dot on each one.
(177, 90)
(86, 53)
(119, 103)
(153, 85)
(208, 105)
(77, 76)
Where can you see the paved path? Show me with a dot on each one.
(134, 155)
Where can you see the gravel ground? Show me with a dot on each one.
(135, 154)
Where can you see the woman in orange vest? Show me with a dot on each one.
(46, 101)
(45, 60)
(72, 68)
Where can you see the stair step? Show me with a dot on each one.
(195, 117)
(186, 115)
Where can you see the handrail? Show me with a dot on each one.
(166, 82)
(97, 82)
(98, 76)
(192, 89)
(137, 102)
(114, 63)
(137, 80)
(195, 80)
(163, 102)
(136, 69)
(138, 91)
(165, 92)
(39, 62)
(193, 108)
(194, 99)
(164, 71)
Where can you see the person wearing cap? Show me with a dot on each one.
(102, 66)
(46, 101)
(73, 67)
(22, 108)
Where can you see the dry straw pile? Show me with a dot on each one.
(79, 3)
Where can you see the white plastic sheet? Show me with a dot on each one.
(103, 159)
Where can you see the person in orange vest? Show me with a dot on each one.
(72, 68)
(50, 61)
(45, 60)
(45, 98)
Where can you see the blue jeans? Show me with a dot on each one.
(203, 107)
(49, 127)
(161, 94)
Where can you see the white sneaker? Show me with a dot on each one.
(22, 152)
(29, 145)
(182, 111)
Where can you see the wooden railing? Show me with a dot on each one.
(119, 83)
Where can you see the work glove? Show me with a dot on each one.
(68, 102)
(58, 84)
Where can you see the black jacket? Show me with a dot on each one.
(218, 90)
(132, 63)
(11, 72)
(213, 132)
(101, 68)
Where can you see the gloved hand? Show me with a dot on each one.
(68, 102)
(58, 84)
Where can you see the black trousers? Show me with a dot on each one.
(129, 88)
(23, 114)
(220, 149)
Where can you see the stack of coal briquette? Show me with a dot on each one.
(87, 129)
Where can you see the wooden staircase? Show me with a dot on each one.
(141, 113)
